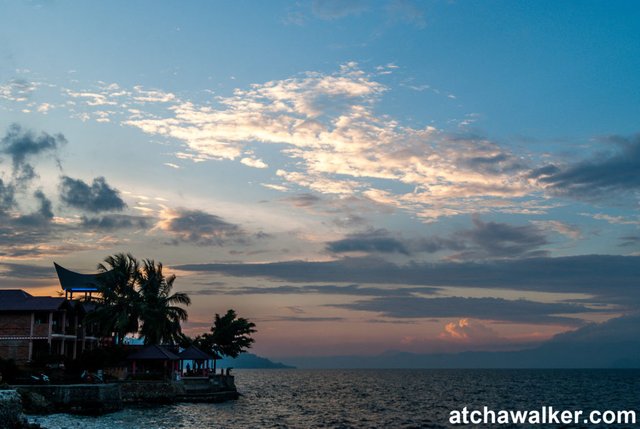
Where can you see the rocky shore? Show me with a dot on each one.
(11, 411)
(98, 399)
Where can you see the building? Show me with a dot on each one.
(35, 327)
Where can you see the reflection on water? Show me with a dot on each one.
(376, 399)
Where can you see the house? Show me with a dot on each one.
(33, 327)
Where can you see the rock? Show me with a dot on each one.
(11, 416)
(35, 403)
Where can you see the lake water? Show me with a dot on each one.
(379, 399)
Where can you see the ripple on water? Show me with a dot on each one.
(282, 399)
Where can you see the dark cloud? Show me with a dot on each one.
(620, 329)
(382, 241)
(603, 175)
(496, 164)
(630, 241)
(501, 240)
(518, 311)
(27, 271)
(348, 290)
(95, 198)
(484, 241)
(115, 221)
(201, 228)
(303, 200)
(614, 278)
(41, 217)
(372, 241)
(7, 197)
(301, 319)
(20, 145)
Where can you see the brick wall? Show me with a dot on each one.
(15, 324)
(41, 330)
(17, 350)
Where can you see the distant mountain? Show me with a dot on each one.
(248, 360)
(613, 344)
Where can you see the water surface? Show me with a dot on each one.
(377, 399)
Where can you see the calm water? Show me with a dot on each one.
(378, 399)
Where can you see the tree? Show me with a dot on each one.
(160, 314)
(118, 309)
(137, 298)
(230, 335)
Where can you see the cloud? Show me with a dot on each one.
(406, 11)
(619, 329)
(501, 240)
(324, 289)
(42, 217)
(373, 241)
(603, 175)
(115, 221)
(303, 200)
(26, 271)
(199, 227)
(469, 330)
(300, 319)
(571, 231)
(96, 198)
(483, 241)
(20, 145)
(609, 278)
(17, 90)
(253, 162)
(382, 241)
(616, 220)
(498, 309)
(334, 9)
(327, 124)
(7, 197)
(630, 241)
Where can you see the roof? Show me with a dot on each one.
(153, 352)
(194, 353)
(19, 300)
(76, 282)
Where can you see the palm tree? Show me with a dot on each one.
(230, 335)
(118, 309)
(160, 314)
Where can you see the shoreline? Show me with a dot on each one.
(100, 399)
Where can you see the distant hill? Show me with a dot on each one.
(613, 344)
(249, 360)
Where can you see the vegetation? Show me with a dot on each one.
(230, 335)
(118, 311)
(137, 299)
(160, 313)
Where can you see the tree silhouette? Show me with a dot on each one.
(118, 308)
(230, 335)
(160, 314)
(138, 299)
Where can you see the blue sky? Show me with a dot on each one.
(353, 175)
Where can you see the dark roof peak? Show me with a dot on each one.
(153, 352)
(76, 282)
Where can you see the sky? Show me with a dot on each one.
(354, 176)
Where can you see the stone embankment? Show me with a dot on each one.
(99, 399)
(11, 416)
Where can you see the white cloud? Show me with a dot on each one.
(253, 162)
(618, 220)
(468, 330)
(329, 127)
(567, 230)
